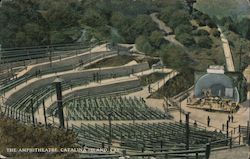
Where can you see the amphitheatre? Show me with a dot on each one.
(109, 108)
(117, 100)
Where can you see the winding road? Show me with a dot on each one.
(162, 26)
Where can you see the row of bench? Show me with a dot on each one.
(98, 108)
(145, 136)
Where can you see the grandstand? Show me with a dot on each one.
(98, 103)
(122, 109)
(74, 78)
(164, 136)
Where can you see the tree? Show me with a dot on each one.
(183, 28)
(243, 28)
(200, 32)
(179, 17)
(62, 15)
(143, 25)
(204, 42)
(186, 39)
(174, 56)
(123, 24)
(143, 45)
(156, 39)
(167, 13)
(215, 32)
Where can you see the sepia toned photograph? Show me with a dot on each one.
(124, 79)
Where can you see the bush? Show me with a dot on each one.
(204, 42)
(179, 17)
(183, 28)
(142, 44)
(174, 56)
(200, 32)
(186, 39)
(215, 32)
(156, 39)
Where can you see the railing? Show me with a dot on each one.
(13, 113)
(196, 153)
(28, 53)
(24, 78)
(23, 56)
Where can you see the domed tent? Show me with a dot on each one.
(216, 83)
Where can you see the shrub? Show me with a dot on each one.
(186, 39)
(215, 32)
(204, 42)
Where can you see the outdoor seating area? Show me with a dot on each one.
(120, 108)
(40, 94)
(162, 136)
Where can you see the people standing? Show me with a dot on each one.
(229, 117)
(208, 121)
(195, 123)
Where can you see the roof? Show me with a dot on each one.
(210, 80)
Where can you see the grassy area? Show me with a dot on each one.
(151, 78)
(18, 135)
(223, 8)
(203, 57)
(237, 45)
(113, 61)
(122, 60)
(176, 85)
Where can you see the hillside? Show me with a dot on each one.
(222, 8)
(17, 135)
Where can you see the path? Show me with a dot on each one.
(32, 80)
(235, 153)
(152, 102)
(162, 26)
(154, 87)
(227, 52)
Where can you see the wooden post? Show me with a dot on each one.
(58, 84)
(239, 138)
(32, 111)
(124, 153)
(187, 130)
(227, 128)
(44, 114)
(16, 114)
(208, 150)
(110, 132)
(180, 111)
(19, 115)
(230, 143)
(161, 145)
(166, 156)
(247, 132)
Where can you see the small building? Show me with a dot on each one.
(217, 83)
